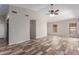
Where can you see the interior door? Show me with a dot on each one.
(32, 29)
(7, 36)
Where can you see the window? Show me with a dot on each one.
(55, 28)
(72, 27)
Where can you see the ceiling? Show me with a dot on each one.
(35, 7)
(66, 10)
(4, 9)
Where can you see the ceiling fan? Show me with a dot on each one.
(52, 11)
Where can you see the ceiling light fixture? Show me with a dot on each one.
(52, 15)
(53, 12)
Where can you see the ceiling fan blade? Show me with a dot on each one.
(51, 4)
(56, 13)
(56, 10)
(51, 10)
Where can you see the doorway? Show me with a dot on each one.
(7, 34)
(32, 29)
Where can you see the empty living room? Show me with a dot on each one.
(39, 29)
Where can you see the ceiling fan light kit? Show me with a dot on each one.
(52, 11)
(52, 15)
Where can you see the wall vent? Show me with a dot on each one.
(26, 15)
(14, 12)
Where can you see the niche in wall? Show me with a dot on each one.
(55, 28)
(72, 28)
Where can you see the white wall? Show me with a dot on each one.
(41, 26)
(63, 27)
(19, 25)
(2, 29)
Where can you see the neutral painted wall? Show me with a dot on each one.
(63, 28)
(2, 29)
(41, 27)
(19, 25)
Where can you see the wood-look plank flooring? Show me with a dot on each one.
(52, 45)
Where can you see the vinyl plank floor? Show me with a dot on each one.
(52, 45)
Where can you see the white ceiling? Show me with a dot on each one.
(66, 10)
(35, 7)
(4, 9)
